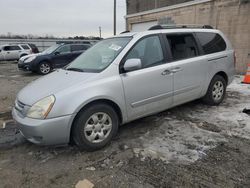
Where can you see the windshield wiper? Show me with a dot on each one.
(75, 69)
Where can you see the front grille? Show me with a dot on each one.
(20, 107)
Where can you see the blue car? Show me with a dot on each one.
(56, 56)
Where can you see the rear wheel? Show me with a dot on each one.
(95, 126)
(44, 68)
(216, 91)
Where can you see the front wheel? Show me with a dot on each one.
(95, 126)
(216, 91)
(44, 68)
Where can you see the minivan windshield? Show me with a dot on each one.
(51, 49)
(100, 56)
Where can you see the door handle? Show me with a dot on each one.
(176, 69)
(166, 72)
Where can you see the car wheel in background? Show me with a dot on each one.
(216, 91)
(94, 127)
(44, 68)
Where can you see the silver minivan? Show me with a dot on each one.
(121, 79)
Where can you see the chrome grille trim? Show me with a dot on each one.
(20, 107)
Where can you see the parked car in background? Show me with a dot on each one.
(124, 78)
(33, 48)
(56, 56)
(14, 51)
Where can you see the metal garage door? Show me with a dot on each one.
(143, 26)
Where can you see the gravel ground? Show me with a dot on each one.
(192, 145)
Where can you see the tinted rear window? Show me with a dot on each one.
(25, 47)
(211, 42)
(32, 45)
(79, 47)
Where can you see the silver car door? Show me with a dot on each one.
(187, 67)
(15, 52)
(149, 89)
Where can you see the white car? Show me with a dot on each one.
(14, 51)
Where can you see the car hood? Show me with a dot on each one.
(30, 55)
(51, 84)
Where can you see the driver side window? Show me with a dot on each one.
(148, 50)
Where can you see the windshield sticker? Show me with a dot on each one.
(115, 47)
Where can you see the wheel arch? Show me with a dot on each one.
(45, 60)
(109, 102)
(23, 54)
(222, 74)
(210, 78)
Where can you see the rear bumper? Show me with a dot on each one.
(54, 131)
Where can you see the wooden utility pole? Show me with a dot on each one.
(114, 17)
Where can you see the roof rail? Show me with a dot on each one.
(180, 26)
(124, 32)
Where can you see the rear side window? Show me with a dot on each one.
(15, 48)
(11, 48)
(6, 48)
(75, 48)
(25, 47)
(64, 49)
(183, 46)
(211, 42)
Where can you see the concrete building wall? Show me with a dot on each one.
(232, 17)
(135, 6)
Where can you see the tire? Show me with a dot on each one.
(44, 68)
(94, 127)
(216, 91)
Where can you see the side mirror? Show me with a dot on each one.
(132, 64)
(57, 53)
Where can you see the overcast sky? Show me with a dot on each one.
(61, 17)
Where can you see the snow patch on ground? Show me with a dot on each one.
(238, 86)
(186, 139)
(177, 140)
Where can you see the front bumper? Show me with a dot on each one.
(24, 66)
(54, 131)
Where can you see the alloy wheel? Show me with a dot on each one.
(218, 90)
(98, 127)
(45, 68)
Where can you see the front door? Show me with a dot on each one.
(149, 89)
(62, 56)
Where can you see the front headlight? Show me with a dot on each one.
(41, 109)
(30, 59)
